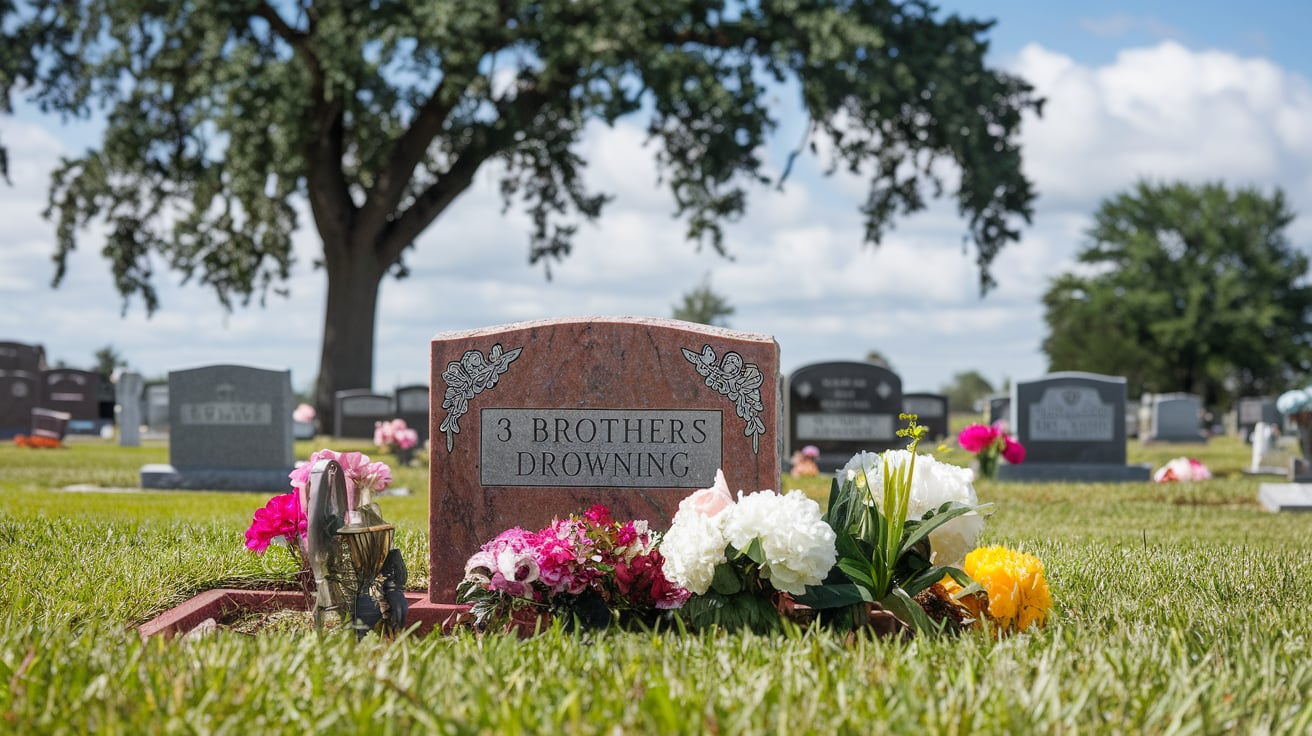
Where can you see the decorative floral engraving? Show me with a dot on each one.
(473, 375)
(740, 382)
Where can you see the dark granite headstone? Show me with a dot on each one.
(1254, 409)
(412, 406)
(76, 392)
(230, 429)
(358, 410)
(1176, 418)
(537, 420)
(128, 393)
(999, 409)
(17, 356)
(50, 424)
(843, 408)
(932, 410)
(20, 393)
(1072, 425)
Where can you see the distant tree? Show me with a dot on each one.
(1186, 288)
(703, 306)
(222, 117)
(109, 360)
(965, 389)
(877, 357)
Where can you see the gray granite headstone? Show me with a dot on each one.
(230, 429)
(412, 406)
(357, 412)
(76, 392)
(20, 392)
(17, 356)
(157, 409)
(1132, 419)
(843, 408)
(1072, 425)
(1176, 418)
(1253, 409)
(1285, 496)
(932, 410)
(127, 393)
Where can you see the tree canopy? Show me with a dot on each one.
(704, 306)
(1186, 288)
(222, 116)
(965, 389)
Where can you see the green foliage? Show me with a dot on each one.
(1186, 288)
(965, 389)
(704, 306)
(109, 360)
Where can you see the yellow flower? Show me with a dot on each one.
(1018, 591)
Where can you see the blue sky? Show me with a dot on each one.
(1165, 90)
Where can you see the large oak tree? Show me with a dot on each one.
(221, 115)
(1186, 288)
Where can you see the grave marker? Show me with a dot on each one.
(537, 420)
(128, 392)
(20, 392)
(842, 408)
(357, 411)
(157, 409)
(77, 393)
(17, 356)
(50, 424)
(1072, 425)
(230, 429)
(932, 410)
(412, 406)
(1176, 418)
(1253, 409)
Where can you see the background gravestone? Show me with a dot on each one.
(843, 408)
(1253, 409)
(1131, 419)
(128, 393)
(17, 356)
(157, 409)
(230, 429)
(50, 424)
(76, 393)
(999, 409)
(1176, 418)
(20, 393)
(932, 410)
(1072, 425)
(537, 420)
(357, 411)
(412, 406)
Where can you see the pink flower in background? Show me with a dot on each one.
(407, 438)
(303, 413)
(977, 437)
(280, 517)
(1012, 451)
(1182, 469)
(811, 451)
(395, 435)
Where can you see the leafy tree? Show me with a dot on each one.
(879, 359)
(703, 306)
(967, 388)
(221, 116)
(1186, 288)
(109, 360)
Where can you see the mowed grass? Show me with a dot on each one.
(1179, 609)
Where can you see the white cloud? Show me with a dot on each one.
(799, 270)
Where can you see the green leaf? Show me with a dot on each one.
(755, 552)
(922, 529)
(857, 572)
(923, 579)
(726, 580)
(833, 596)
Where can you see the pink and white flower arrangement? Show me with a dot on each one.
(364, 479)
(1182, 469)
(395, 435)
(303, 413)
(988, 442)
(577, 565)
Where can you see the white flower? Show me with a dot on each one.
(692, 548)
(798, 545)
(933, 484)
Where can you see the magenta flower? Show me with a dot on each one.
(1013, 451)
(280, 517)
(977, 437)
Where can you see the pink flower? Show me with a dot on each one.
(406, 438)
(280, 517)
(811, 451)
(709, 501)
(599, 515)
(303, 413)
(1013, 451)
(977, 437)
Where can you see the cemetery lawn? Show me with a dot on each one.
(1179, 609)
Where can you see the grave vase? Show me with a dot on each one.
(986, 465)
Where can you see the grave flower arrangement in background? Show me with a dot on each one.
(396, 437)
(988, 442)
(1297, 405)
(591, 570)
(1182, 469)
(37, 442)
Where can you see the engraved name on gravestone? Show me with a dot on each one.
(842, 408)
(357, 412)
(538, 420)
(1072, 425)
(20, 392)
(230, 429)
(931, 410)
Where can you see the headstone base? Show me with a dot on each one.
(1176, 440)
(1266, 470)
(303, 430)
(1073, 472)
(1278, 497)
(164, 476)
(1300, 471)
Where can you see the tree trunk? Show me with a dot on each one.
(347, 360)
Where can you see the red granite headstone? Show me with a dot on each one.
(537, 420)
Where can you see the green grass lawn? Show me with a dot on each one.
(1179, 609)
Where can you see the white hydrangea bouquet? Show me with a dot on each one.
(745, 560)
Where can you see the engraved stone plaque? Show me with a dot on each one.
(845, 427)
(1071, 413)
(537, 420)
